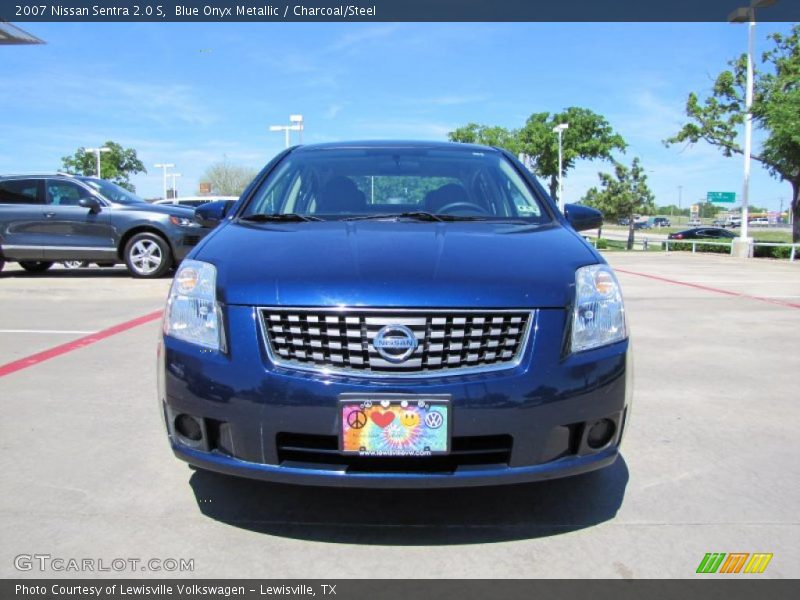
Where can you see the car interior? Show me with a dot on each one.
(356, 189)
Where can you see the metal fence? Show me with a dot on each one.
(644, 244)
(695, 243)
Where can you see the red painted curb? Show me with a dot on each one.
(712, 289)
(39, 357)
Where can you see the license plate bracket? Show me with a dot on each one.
(394, 425)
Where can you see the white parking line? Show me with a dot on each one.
(46, 331)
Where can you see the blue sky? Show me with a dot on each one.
(193, 94)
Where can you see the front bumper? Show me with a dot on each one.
(527, 423)
(184, 239)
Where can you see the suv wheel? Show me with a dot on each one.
(147, 255)
(35, 266)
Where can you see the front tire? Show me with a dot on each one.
(147, 256)
(35, 266)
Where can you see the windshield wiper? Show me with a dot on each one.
(286, 217)
(419, 215)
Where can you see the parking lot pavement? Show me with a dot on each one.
(40, 311)
(710, 458)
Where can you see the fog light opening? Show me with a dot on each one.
(600, 433)
(188, 427)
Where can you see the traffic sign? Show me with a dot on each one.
(721, 197)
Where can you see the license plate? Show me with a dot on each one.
(397, 427)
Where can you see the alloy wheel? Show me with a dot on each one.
(146, 256)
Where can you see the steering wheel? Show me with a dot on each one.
(469, 206)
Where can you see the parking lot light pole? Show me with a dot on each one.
(559, 129)
(742, 246)
(295, 124)
(97, 152)
(164, 166)
(285, 129)
(174, 189)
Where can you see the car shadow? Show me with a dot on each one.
(56, 273)
(413, 517)
(119, 272)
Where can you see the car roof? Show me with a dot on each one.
(390, 144)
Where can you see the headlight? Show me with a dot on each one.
(599, 315)
(184, 222)
(192, 312)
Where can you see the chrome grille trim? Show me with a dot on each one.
(337, 340)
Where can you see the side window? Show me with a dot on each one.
(64, 193)
(19, 191)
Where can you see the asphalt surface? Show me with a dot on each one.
(711, 458)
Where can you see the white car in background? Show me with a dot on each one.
(760, 222)
(194, 201)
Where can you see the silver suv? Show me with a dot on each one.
(52, 218)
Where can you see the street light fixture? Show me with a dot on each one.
(559, 129)
(741, 246)
(164, 166)
(296, 124)
(97, 152)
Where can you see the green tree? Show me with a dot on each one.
(500, 137)
(776, 111)
(623, 194)
(227, 179)
(117, 165)
(707, 210)
(588, 137)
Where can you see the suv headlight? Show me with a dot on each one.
(183, 222)
(193, 313)
(599, 315)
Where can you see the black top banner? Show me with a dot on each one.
(393, 10)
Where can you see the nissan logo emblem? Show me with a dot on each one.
(395, 343)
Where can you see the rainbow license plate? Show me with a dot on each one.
(396, 427)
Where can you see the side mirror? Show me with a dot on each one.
(211, 213)
(93, 204)
(583, 217)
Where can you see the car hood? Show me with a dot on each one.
(162, 209)
(396, 264)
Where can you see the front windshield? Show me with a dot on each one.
(343, 183)
(113, 192)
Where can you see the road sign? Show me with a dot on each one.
(721, 197)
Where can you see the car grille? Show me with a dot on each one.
(448, 341)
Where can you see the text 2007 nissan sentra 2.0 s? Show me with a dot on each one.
(399, 315)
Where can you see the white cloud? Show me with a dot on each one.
(80, 94)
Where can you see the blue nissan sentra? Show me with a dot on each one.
(395, 314)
